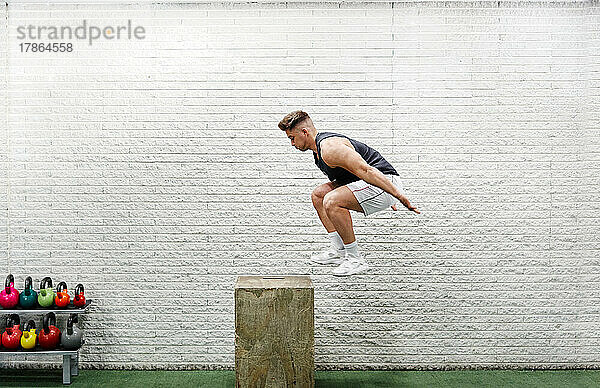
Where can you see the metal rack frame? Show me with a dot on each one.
(70, 357)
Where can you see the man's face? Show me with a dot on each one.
(299, 138)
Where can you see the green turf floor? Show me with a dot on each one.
(329, 379)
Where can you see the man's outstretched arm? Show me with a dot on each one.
(338, 152)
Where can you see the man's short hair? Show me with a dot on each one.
(293, 119)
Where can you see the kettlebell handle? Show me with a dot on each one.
(49, 319)
(72, 319)
(29, 325)
(12, 320)
(46, 283)
(9, 279)
(61, 287)
(79, 289)
(28, 285)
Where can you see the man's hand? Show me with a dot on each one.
(406, 203)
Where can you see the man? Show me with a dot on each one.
(360, 180)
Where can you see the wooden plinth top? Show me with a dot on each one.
(273, 281)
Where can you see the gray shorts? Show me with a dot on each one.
(373, 199)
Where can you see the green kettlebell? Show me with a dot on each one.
(28, 298)
(46, 294)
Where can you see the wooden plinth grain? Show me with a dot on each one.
(274, 332)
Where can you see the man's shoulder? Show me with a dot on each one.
(334, 149)
(335, 141)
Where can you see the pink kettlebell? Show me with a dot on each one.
(9, 297)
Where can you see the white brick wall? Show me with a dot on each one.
(154, 172)
(3, 138)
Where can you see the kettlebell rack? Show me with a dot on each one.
(70, 357)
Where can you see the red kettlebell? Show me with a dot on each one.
(11, 338)
(79, 299)
(62, 298)
(9, 297)
(49, 337)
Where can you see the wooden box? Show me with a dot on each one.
(274, 331)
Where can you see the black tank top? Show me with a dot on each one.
(341, 175)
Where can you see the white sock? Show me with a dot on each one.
(336, 240)
(351, 248)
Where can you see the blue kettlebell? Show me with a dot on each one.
(28, 298)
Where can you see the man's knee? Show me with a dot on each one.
(330, 201)
(320, 192)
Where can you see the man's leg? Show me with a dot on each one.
(317, 199)
(335, 253)
(337, 204)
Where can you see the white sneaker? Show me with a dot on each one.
(351, 266)
(328, 256)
